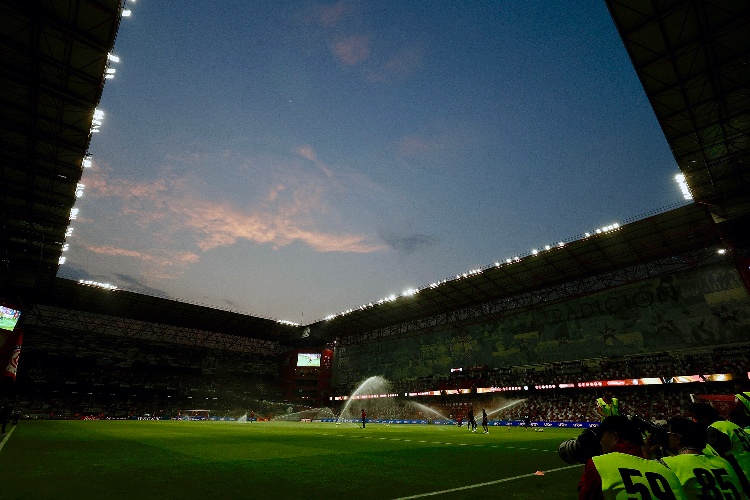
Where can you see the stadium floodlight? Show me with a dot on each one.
(86, 162)
(682, 182)
(561, 244)
(547, 247)
(110, 71)
(586, 235)
(105, 286)
(73, 213)
(721, 251)
(508, 261)
(409, 292)
(534, 251)
(79, 189)
(69, 232)
(61, 260)
(65, 247)
(126, 12)
(113, 58)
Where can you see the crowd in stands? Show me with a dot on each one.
(664, 366)
(70, 376)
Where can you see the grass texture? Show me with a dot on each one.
(226, 460)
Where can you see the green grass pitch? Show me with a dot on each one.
(224, 460)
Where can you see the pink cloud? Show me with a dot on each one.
(330, 15)
(353, 49)
(174, 259)
(169, 207)
(401, 66)
(274, 193)
(413, 146)
(308, 153)
(441, 137)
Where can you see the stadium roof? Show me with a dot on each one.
(691, 57)
(69, 294)
(53, 55)
(693, 60)
(669, 234)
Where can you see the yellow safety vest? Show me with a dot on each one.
(626, 477)
(734, 442)
(609, 409)
(726, 437)
(744, 399)
(705, 476)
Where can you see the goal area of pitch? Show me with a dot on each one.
(194, 414)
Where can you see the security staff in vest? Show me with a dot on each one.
(607, 406)
(742, 409)
(725, 439)
(702, 476)
(621, 472)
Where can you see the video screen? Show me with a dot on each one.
(8, 318)
(308, 359)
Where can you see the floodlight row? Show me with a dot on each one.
(96, 122)
(473, 272)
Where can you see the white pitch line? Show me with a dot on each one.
(6, 437)
(479, 485)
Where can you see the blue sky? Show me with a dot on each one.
(296, 159)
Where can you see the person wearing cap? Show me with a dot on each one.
(621, 471)
(702, 476)
(725, 439)
(607, 406)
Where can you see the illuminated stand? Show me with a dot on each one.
(681, 379)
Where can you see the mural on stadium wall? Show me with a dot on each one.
(701, 308)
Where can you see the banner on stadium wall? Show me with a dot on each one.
(10, 351)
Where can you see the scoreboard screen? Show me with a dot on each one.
(308, 359)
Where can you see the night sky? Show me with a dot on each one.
(292, 159)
